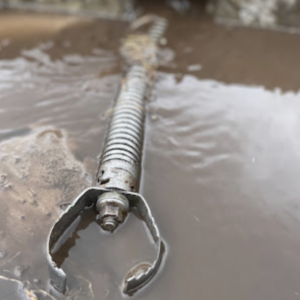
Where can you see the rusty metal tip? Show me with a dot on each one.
(109, 224)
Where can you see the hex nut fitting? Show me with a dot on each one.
(113, 208)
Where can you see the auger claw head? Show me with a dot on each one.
(140, 275)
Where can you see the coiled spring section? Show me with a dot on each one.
(120, 162)
(121, 157)
(125, 134)
(157, 29)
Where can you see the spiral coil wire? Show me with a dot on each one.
(125, 134)
(158, 29)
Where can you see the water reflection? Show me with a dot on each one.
(220, 174)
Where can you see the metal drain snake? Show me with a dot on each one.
(120, 165)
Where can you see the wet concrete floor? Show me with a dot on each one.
(221, 157)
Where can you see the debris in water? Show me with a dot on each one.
(2, 254)
(274, 14)
(18, 271)
(31, 295)
(154, 117)
(194, 68)
(5, 42)
(2, 178)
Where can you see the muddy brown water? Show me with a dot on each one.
(221, 159)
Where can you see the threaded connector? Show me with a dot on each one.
(113, 208)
